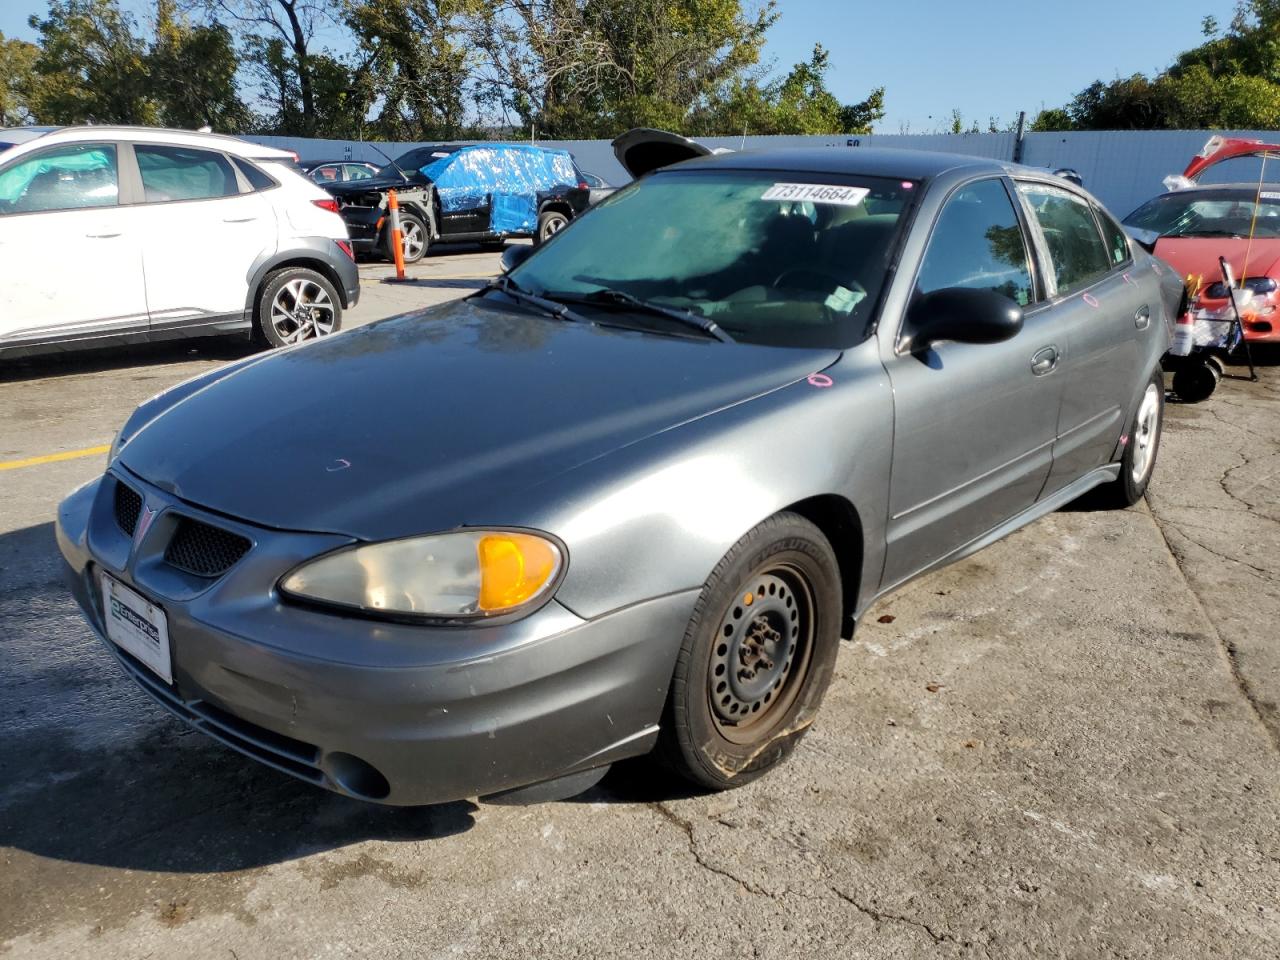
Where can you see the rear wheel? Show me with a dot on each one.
(1195, 382)
(549, 224)
(297, 304)
(1139, 459)
(757, 656)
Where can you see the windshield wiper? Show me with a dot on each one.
(505, 284)
(623, 299)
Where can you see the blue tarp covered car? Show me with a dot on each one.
(486, 193)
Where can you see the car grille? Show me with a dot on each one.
(128, 507)
(204, 550)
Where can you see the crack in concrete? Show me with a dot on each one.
(938, 937)
(1227, 649)
(1182, 526)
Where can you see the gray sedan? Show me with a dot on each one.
(629, 497)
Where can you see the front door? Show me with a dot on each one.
(72, 265)
(204, 231)
(1102, 309)
(974, 424)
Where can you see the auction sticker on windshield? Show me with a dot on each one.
(817, 193)
(137, 626)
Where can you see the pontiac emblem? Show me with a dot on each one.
(144, 524)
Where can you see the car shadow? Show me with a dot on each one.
(103, 359)
(93, 772)
(444, 283)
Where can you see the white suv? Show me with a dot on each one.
(129, 234)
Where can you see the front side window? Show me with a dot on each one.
(62, 178)
(1076, 248)
(183, 173)
(978, 244)
(329, 173)
(778, 258)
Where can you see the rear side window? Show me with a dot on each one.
(978, 243)
(62, 178)
(183, 173)
(356, 172)
(257, 179)
(1117, 240)
(1076, 249)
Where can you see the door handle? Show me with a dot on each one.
(1044, 360)
(1142, 318)
(239, 219)
(102, 236)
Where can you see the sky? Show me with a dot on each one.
(982, 57)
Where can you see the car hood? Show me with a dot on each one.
(423, 421)
(350, 188)
(1198, 256)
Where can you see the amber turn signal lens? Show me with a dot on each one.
(514, 567)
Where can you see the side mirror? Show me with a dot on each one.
(962, 315)
(513, 256)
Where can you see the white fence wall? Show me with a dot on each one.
(1121, 167)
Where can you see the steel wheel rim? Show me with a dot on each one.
(1146, 433)
(761, 653)
(554, 226)
(412, 238)
(302, 310)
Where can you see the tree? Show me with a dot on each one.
(799, 103)
(279, 41)
(417, 66)
(1230, 80)
(17, 69)
(192, 70)
(91, 68)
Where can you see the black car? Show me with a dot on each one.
(486, 193)
(325, 172)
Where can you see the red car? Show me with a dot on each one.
(1192, 225)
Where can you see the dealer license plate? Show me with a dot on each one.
(137, 626)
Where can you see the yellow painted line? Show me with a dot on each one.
(54, 457)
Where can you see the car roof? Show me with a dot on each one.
(190, 138)
(866, 161)
(16, 135)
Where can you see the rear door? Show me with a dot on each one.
(1102, 308)
(204, 230)
(72, 265)
(974, 424)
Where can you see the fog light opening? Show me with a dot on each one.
(356, 777)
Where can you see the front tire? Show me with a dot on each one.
(297, 304)
(757, 656)
(413, 237)
(1139, 459)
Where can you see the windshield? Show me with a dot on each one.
(1217, 214)
(778, 258)
(417, 158)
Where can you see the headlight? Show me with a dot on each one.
(467, 574)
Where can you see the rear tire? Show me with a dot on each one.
(755, 663)
(549, 224)
(1196, 382)
(296, 304)
(1139, 459)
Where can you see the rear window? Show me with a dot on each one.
(184, 173)
(1076, 248)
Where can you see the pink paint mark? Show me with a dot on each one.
(1124, 440)
(820, 380)
(1091, 300)
(337, 465)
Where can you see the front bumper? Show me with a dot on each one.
(400, 714)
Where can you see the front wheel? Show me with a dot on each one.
(413, 237)
(1139, 459)
(297, 304)
(756, 658)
